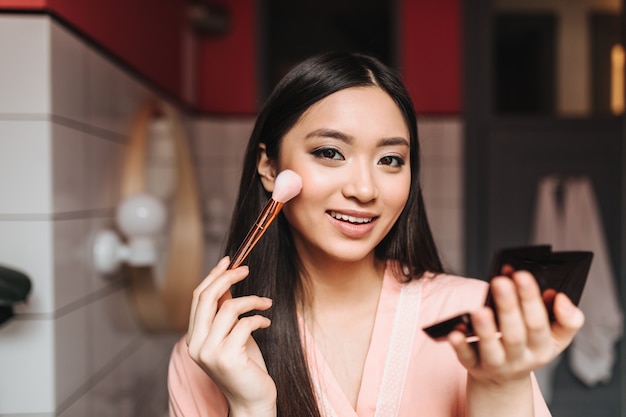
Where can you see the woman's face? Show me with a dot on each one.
(352, 151)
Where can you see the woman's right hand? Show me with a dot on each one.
(222, 344)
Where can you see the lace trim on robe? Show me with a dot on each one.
(398, 356)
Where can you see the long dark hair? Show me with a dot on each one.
(274, 266)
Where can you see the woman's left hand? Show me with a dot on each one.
(525, 339)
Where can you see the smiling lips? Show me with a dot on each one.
(351, 219)
(354, 227)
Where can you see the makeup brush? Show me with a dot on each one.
(287, 185)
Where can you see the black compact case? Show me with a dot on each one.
(560, 271)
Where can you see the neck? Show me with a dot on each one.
(329, 285)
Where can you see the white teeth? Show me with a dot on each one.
(350, 219)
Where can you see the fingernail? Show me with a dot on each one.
(224, 261)
(567, 304)
(524, 280)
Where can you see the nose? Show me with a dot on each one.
(360, 183)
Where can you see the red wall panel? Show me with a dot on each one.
(431, 54)
(227, 65)
(146, 34)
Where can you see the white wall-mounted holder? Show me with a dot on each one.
(140, 217)
(161, 277)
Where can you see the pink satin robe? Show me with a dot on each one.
(406, 373)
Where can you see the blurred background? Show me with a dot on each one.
(513, 97)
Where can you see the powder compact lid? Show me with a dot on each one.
(563, 271)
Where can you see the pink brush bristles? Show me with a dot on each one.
(288, 184)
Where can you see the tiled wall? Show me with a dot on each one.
(220, 147)
(441, 141)
(74, 349)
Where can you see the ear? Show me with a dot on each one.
(266, 168)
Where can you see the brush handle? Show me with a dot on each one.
(267, 216)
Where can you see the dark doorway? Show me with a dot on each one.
(294, 30)
(524, 58)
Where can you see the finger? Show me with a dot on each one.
(233, 352)
(217, 269)
(228, 316)
(242, 331)
(533, 309)
(510, 317)
(490, 350)
(466, 352)
(207, 305)
(568, 320)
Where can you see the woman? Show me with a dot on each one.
(337, 291)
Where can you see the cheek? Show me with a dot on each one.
(316, 182)
(398, 196)
(306, 202)
(299, 215)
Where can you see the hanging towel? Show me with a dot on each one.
(567, 217)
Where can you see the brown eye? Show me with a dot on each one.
(393, 161)
(328, 153)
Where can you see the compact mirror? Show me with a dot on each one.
(559, 271)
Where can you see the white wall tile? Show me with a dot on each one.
(27, 363)
(130, 95)
(104, 397)
(446, 223)
(221, 137)
(441, 138)
(104, 172)
(69, 169)
(137, 386)
(101, 93)
(67, 67)
(211, 181)
(235, 138)
(206, 133)
(451, 253)
(230, 187)
(71, 348)
(113, 327)
(442, 184)
(80, 408)
(25, 166)
(453, 139)
(27, 246)
(24, 73)
(430, 131)
(112, 95)
(145, 377)
(71, 260)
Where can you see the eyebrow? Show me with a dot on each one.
(330, 133)
(335, 134)
(393, 142)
